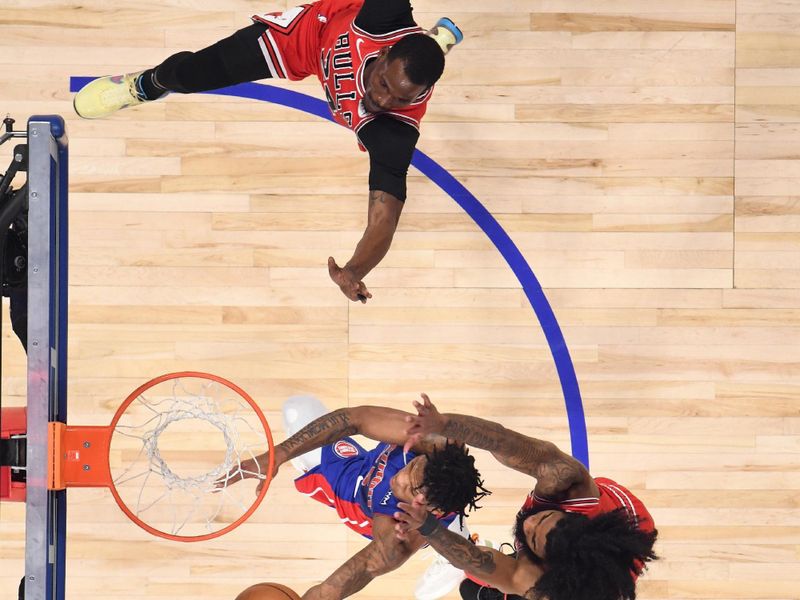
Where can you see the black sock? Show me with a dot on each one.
(148, 88)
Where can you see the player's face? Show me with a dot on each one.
(387, 87)
(407, 483)
(532, 530)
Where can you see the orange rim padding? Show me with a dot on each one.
(79, 456)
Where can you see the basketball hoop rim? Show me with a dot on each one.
(270, 444)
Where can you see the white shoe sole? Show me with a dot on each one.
(299, 411)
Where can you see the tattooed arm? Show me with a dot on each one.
(375, 422)
(382, 219)
(512, 576)
(383, 554)
(558, 475)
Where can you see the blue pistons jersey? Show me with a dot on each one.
(355, 482)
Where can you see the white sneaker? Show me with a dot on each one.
(299, 411)
(441, 577)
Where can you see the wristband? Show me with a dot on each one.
(430, 525)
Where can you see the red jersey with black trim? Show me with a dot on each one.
(612, 497)
(345, 51)
(323, 39)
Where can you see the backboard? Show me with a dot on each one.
(45, 517)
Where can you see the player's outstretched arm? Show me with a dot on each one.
(495, 568)
(382, 219)
(375, 422)
(383, 554)
(558, 475)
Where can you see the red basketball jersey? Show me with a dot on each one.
(612, 497)
(323, 39)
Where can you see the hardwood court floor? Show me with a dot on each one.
(642, 155)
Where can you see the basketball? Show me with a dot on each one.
(268, 591)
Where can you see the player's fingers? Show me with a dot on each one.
(412, 439)
(229, 477)
(426, 400)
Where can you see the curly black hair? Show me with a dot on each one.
(594, 558)
(450, 480)
(423, 57)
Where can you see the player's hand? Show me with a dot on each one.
(410, 517)
(350, 285)
(252, 468)
(428, 421)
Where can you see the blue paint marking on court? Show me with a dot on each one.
(483, 218)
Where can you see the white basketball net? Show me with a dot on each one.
(172, 451)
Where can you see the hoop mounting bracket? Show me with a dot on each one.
(78, 456)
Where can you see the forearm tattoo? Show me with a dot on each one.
(325, 430)
(537, 458)
(475, 432)
(461, 553)
(374, 560)
(349, 579)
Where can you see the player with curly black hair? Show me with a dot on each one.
(450, 481)
(591, 558)
(365, 486)
(577, 537)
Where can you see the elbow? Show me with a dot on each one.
(384, 210)
(383, 223)
(354, 417)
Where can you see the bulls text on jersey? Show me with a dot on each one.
(338, 60)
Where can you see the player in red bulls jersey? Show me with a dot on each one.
(577, 537)
(377, 68)
(365, 486)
